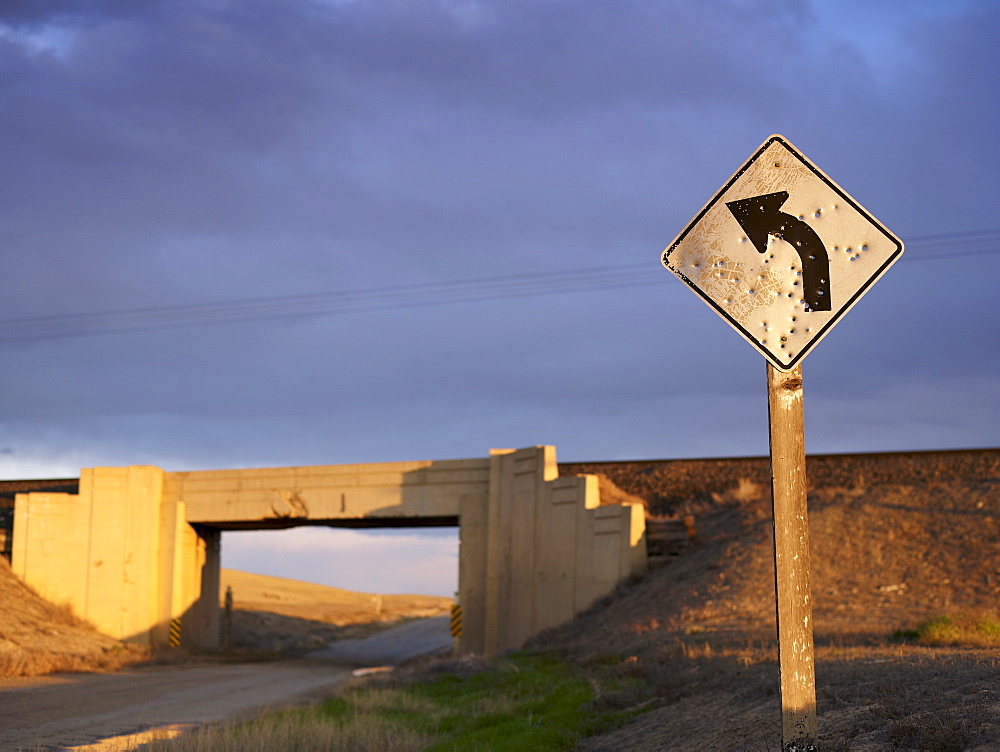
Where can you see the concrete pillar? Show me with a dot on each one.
(202, 624)
(169, 595)
(49, 547)
(472, 558)
(636, 559)
(103, 490)
(493, 552)
(558, 542)
(518, 486)
(121, 561)
(186, 575)
(140, 581)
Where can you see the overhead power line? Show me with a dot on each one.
(330, 303)
(340, 302)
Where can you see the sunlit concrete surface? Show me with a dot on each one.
(137, 550)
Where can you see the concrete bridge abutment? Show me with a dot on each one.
(137, 551)
(121, 555)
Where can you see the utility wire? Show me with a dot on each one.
(331, 303)
(395, 297)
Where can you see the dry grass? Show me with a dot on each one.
(885, 555)
(16, 661)
(300, 732)
(745, 491)
(38, 637)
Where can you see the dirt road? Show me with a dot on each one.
(70, 710)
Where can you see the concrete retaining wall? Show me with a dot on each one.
(539, 549)
(116, 553)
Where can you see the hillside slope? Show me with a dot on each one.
(886, 556)
(271, 615)
(38, 637)
(274, 614)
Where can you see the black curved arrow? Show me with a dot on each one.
(761, 216)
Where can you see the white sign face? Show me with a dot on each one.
(782, 252)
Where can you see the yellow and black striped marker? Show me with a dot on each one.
(175, 633)
(456, 621)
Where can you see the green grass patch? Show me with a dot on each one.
(520, 702)
(980, 630)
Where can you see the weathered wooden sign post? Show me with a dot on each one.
(781, 252)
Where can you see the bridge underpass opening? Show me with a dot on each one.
(378, 574)
(405, 560)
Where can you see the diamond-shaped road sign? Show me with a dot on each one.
(782, 252)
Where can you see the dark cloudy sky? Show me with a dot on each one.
(276, 232)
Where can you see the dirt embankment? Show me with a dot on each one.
(683, 486)
(896, 540)
(38, 637)
(271, 615)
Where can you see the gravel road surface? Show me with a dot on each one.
(68, 710)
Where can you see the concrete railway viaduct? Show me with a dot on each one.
(138, 549)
